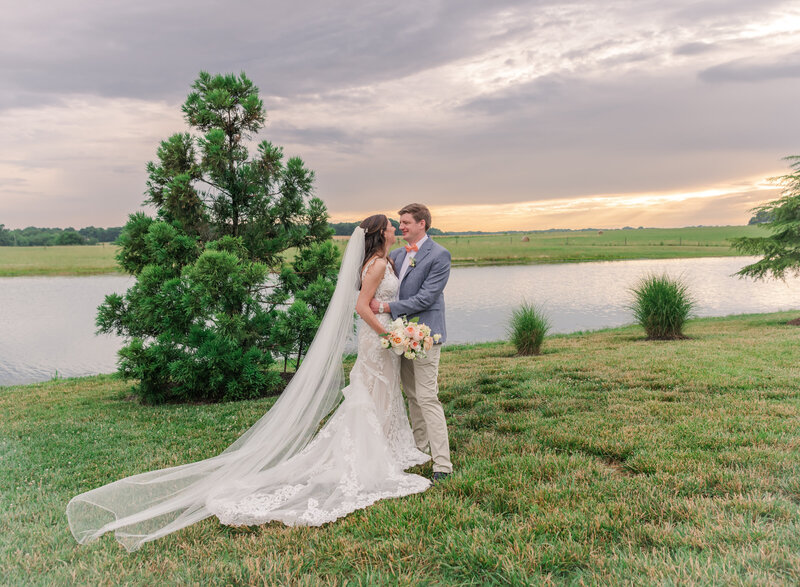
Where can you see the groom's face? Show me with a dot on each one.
(411, 229)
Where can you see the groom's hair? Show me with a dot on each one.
(419, 212)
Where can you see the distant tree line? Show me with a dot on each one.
(762, 216)
(347, 228)
(91, 235)
(33, 236)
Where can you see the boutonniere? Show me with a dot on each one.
(412, 262)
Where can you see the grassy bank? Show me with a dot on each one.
(75, 260)
(546, 247)
(608, 459)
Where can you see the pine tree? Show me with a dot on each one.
(212, 283)
(780, 250)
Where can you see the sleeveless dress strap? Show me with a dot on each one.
(367, 266)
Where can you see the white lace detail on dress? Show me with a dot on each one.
(357, 458)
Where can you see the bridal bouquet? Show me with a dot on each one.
(409, 338)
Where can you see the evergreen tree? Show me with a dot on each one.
(212, 281)
(6, 238)
(70, 236)
(780, 250)
(761, 217)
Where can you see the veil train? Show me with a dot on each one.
(150, 505)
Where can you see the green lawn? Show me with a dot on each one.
(607, 460)
(558, 247)
(64, 260)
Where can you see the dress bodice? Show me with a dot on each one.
(389, 285)
(368, 341)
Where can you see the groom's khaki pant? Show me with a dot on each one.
(421, 386)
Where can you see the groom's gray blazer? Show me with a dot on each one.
(422, 286)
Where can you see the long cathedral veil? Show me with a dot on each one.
(147, 506)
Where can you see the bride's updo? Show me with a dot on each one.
(374, 242)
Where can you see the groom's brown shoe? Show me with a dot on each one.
(439, 476)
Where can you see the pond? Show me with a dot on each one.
(47, 323)
(589, 296)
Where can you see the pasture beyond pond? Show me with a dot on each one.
(606, 245)
(607, 460)
(543, 247)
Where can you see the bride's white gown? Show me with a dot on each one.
(357, 458)
(280, 469)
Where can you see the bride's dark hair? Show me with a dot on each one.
(374, 242)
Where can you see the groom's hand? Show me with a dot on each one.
(374, 305)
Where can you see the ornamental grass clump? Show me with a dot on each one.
(529, 325)
(662, 305)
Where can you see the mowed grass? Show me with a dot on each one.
(64, 260)
(607, 460)
(544, 247)
(559, 247)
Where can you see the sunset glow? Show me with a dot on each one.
(603, 210)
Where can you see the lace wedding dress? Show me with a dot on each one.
(285, 467)
(356, 459)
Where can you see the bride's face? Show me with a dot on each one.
(388, 235)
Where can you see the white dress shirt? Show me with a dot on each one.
(410, 255)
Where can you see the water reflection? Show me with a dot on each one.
(47, 323)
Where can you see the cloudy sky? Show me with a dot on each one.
(497, 114)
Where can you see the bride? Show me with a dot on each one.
(282, 469)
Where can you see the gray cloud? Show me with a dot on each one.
(154, 49)
(315, 136)
(621, 123)
(721, 10)
(12, 182)
(588, 51)
(694, 48)
(561, 136)
(751, 70)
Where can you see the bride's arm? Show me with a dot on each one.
(369, 286)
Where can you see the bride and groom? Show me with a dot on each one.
(286, 467)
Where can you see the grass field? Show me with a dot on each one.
(75, 260)
(559, 247)
(547, 247)
(607, 460)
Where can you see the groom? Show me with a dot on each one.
(423, 267)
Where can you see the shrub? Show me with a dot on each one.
(662, 305)
(528, 327)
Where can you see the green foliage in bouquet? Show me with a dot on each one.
(528, 327)
(662, 305)
(215, 300)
